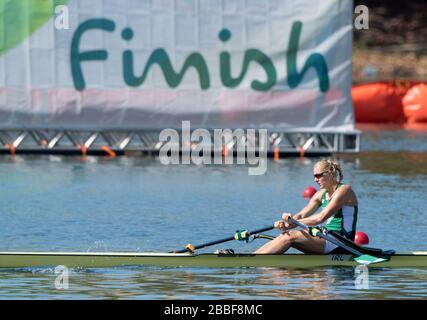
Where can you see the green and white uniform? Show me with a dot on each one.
(343, 222)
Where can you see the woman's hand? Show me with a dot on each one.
(280, 224)
(285, 217)
(283, 224)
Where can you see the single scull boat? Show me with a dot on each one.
(112, 259)
(353, 255)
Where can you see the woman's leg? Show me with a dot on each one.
(297, 239)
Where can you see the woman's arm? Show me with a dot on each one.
(311, 207)
(337, 202)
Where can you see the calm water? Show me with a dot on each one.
(58, 203)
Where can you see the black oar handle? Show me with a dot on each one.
(207, 244)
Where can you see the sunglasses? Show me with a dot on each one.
(319, 175)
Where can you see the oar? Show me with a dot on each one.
(360, 257)
(239, 235)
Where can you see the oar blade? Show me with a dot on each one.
(366, 259)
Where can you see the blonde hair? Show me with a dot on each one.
(332, 166)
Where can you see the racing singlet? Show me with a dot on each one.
(343, 221)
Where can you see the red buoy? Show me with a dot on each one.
(361, 238)
(309, 192)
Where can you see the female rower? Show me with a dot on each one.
(339, 211)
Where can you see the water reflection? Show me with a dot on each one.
(248, 283)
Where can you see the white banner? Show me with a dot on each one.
(141, 64)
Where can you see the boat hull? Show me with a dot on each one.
(100, 260)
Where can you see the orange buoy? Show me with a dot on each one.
(361, 238)
(276, 153)
(225, 151)
(83, 149)
(12, 149)
(108, 151)
(378, 103)
(309, 192)
(415, 104)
